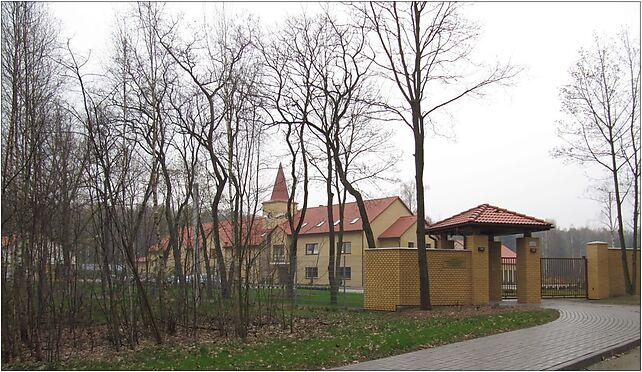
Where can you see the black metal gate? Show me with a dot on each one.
(564, 277)
(509, 277)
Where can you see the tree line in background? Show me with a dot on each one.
(101, 168)
(571, 242)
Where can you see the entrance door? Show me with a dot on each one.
(564, 277)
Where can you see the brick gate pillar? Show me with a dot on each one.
(495, 271)
(529, 284)
(597, 262)
(478, 245)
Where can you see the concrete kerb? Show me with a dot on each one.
(590, 359)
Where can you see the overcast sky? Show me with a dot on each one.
(498, 151)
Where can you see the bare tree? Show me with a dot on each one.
(289, 92)
(423, 47)
(602, 104)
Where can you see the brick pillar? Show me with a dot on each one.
(495, 271)
(381, 288)
(478, 245)
(529, 284)
(597, 262)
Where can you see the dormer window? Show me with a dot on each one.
(355, 220)
(337, 222)
(320, 223)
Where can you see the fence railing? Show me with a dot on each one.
(564, 277)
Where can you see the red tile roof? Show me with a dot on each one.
(225, 234)
(399, 227)
(253, 239)
(507, 252)
(316, 219)
(488, 214)
(312, 224)
(280, 190)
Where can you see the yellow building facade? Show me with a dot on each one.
(392, 223)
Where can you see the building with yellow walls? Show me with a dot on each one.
(392, 223)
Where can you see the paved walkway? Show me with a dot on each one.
(582, 329)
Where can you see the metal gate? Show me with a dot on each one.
(509, 277)
(564, 277)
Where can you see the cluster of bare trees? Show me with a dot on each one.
(602, 127)
(92, 179)
(167, 140)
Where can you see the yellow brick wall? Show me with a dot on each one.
(450, 277)
(382, 282)
(616, 276)
(528, 271)
(392, 278)
(597, 270)
(479, 268)
(408, 267)
(495, 271)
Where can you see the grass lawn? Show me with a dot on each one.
(318, 297)
(339, 337)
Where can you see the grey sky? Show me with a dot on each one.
(499, 146)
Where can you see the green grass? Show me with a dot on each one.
(321, 297)
(350, 336)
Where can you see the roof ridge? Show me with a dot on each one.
(518, 214)
(478, 211)
(457, 215)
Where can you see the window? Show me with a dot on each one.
(304, 225)
(428, 245)
(312, 248)
(311, 272)
(355, 220)
(346, 248)
(278, 253)
(411, 244)
(345, 273)
(320, 223)
(336, 222)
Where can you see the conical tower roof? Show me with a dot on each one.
(280, 190)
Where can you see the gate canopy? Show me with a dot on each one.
(489, 220)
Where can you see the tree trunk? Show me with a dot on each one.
(424, 284)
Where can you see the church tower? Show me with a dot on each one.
(275, 209)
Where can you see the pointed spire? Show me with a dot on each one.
(280, 190)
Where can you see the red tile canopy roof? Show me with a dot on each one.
(491, 220)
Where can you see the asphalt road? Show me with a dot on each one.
(629, 361)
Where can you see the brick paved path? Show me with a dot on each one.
(582, 329)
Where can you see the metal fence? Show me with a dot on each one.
(509, 277)
(563, 277)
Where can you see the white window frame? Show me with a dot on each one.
(315, 251)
